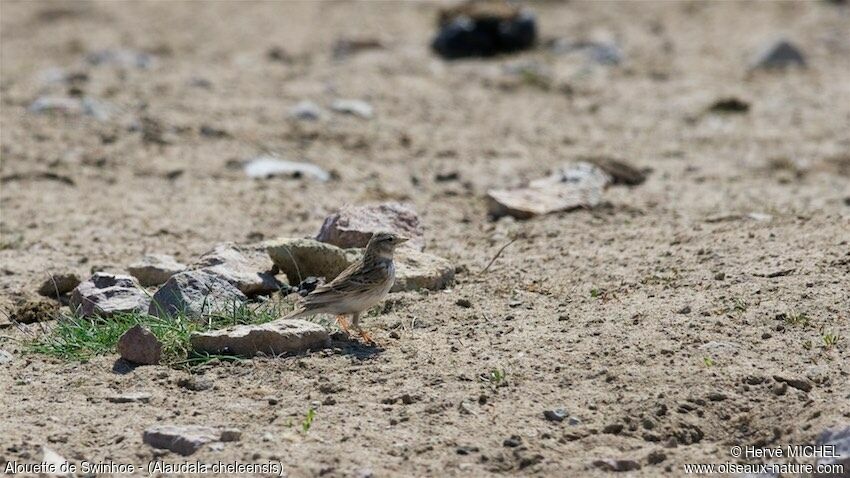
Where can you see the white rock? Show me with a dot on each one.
(306, 110)
(274, 338)
(5, 357)
(268, 166)
(357, 108)
(132, 397)
(155, 269)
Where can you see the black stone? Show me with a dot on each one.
(465, 37)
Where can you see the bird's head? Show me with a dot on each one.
(384, 243)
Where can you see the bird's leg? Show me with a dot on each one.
(340, 320)
(355, 324)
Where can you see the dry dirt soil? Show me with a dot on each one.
(654, 320)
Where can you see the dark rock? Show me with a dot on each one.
(195, 293)
(106, 294)
(799, 383)
(611, 464)
(59, 284)
(557, 415)
(308, 285)
(685, 310)
(655, 457)
(139, 345)
(195, 383)
(29, 311)
(465, 303)
(620, 171)
(779, 54)
(613, 429)
(484, 29)
(512, 442)
(730, 105)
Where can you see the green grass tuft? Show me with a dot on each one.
(80, 338)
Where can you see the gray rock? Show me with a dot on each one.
(71, 106)
(106, 294)
(121, 58)
(416, 270)
(353, 226)
(571, 187)
(187, 439)
(357, 108)
(139, 345)
(278, 337)
(245, 267)
(610, 464)
(306, 110)
(839, 439)
(195, 383)
(779, 54)
(155, 269)
(264, 167)
(59, 284)
(5, 357)
(800, 383)
(195, 293)
(557, 415)
(600, 52)
(302, 258)
(132, 397)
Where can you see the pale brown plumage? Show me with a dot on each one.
(358, 288)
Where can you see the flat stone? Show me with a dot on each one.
(246, 267)
(306, 111)
(557, 415)
(195, 293)
(620, 171)
(571, 187)
(302, 258)
(275, 338)
(187, 439)
(358, 108)
(132, 397)
(800, 383)
(122, 58)
(139, 345)
(155, 269)
(265, 167)
(59, 284)
(416, 270)
(839, 439)
(353, 226)
(5, 357)
(106, 294)
(779, 54)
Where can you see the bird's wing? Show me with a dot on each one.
(355, 278)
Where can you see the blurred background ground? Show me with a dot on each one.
(655, 320)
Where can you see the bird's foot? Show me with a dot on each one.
(343, 324)
(366, 337)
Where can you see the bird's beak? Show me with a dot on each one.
(402, 240)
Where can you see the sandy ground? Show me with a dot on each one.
(585, 313)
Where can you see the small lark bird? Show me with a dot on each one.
(356, 289)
